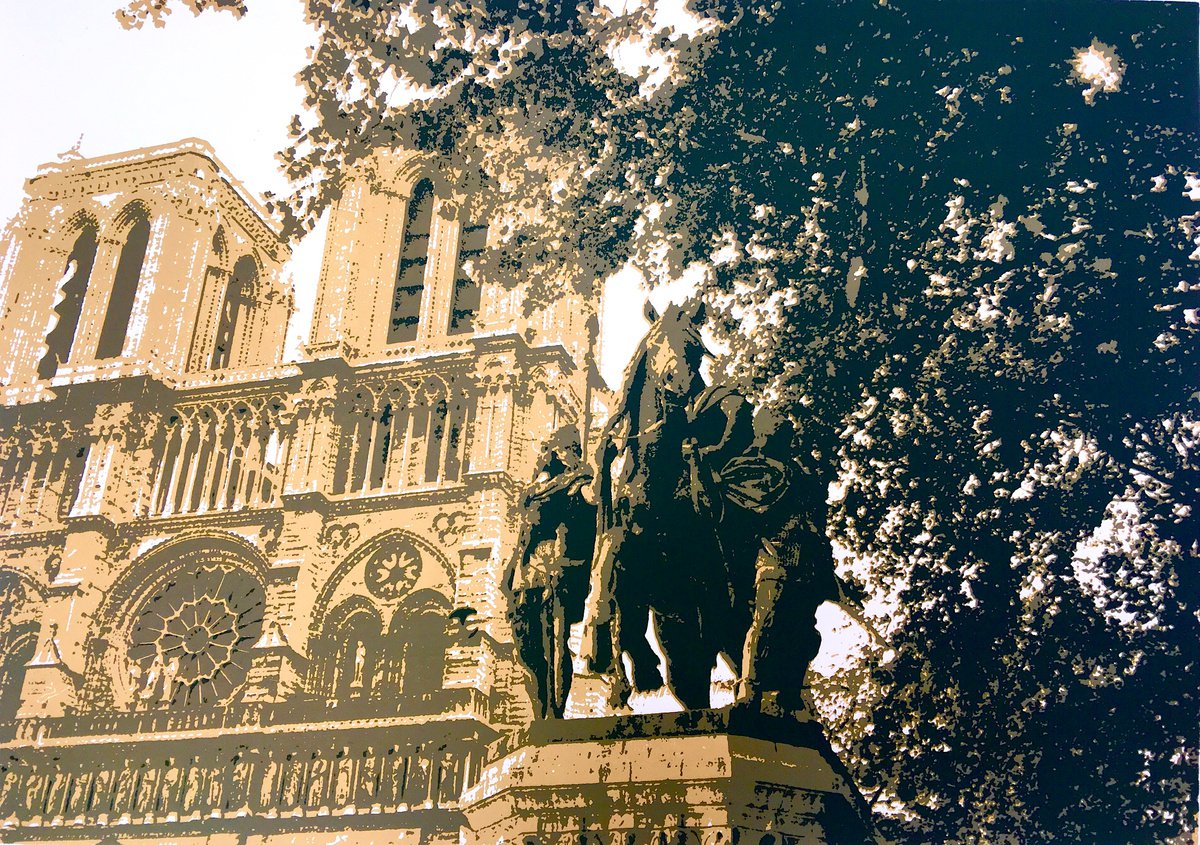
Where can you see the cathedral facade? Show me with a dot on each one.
(244, 598)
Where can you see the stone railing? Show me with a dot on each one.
(383, 770)
(448, 703)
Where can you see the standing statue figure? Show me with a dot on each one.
(360, 662)
(170, 677)
(149, 682)
(547, 579)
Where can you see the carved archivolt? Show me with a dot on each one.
(396, 551)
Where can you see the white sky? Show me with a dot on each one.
(70, 69)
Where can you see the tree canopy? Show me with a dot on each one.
(958, 246)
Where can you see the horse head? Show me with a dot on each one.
(667, 362)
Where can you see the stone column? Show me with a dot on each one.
(400, 432)
(50, 686)
(496, 375)
(314, 445)
(176, 474)
(35, 259)
(107, 491)
(167, 307)
(211, 491)
(40, 450)
(109, 484)
(277, 669)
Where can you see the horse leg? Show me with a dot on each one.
(689, 659)
(634, 623)
(791, 645)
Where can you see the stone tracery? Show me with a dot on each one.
(190, 642)
(223, 455)
(403, 435)
(392, 571)
(39, 463)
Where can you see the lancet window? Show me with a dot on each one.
(419, 634)
(219, 457)
(410, 272)
(125, 285)
(233, 309)
(352, 654)
(464, 306)
(69, 303)
(355, 658)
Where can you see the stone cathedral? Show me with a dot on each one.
(244, 599)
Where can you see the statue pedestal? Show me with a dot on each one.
(709, 777)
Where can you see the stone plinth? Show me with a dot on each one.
(711, 777)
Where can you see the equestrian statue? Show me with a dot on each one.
(694, 523)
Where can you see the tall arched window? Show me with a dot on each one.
(419, 637)
(436, 444)
(124, 290)
(410, 274)
(465, 305)
(69, 305)
(237, 298)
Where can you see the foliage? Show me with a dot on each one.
(960, 250)
(138, 13)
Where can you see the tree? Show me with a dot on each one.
(958, 247)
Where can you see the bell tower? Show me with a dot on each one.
(152, 260)
(399, 274)
(270, 592)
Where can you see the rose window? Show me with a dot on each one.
(392, 571)
(191, 640)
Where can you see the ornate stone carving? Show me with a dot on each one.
(449, 526)
(339, 536)
(391, 572)
(190, 641)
